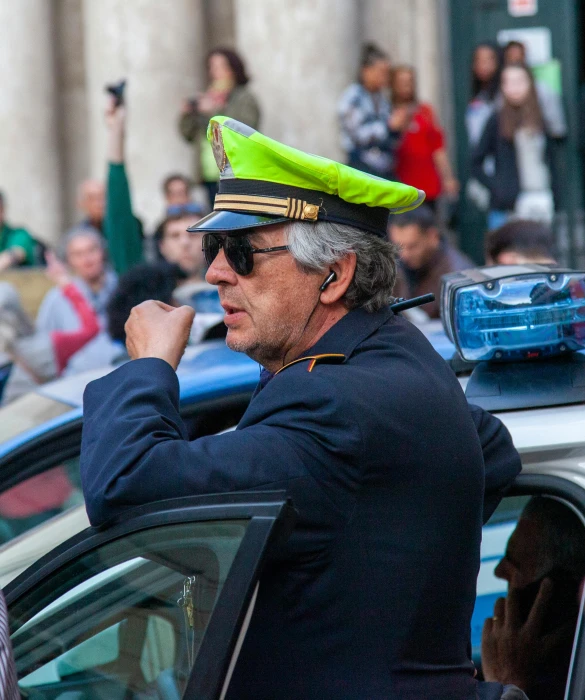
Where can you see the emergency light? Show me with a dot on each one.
(510, 313)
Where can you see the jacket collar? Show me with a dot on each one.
(349, 332)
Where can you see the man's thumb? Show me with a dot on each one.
(186, 314)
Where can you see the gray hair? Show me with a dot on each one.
(315, 247)
(82, 230)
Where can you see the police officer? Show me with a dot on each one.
(355, 415)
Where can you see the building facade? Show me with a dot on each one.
(59, 54)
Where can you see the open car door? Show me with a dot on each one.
(153, 605)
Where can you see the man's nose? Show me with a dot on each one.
(502, 570)
(219, 271)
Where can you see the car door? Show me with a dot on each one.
(150, 606)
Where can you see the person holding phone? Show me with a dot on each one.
(529, 639)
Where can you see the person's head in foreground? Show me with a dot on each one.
(290, 260)
(156, 281)
(83, 249)
(417, 236)
(520, 242)
(528, 640)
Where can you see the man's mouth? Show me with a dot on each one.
(232, 313)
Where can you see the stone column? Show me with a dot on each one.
(219, 23)
(158, 47)
(408, 32)
(29, 159)
(301, 55)
(72, 94)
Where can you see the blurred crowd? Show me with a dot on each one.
(107, 263)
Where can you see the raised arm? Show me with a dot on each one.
(121, 227)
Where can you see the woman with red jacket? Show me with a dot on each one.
(421, 158)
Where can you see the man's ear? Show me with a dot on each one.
(344, 270)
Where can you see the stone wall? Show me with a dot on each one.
(301, 54)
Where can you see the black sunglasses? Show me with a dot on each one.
(239, 252)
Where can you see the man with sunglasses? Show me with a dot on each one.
(372, 595)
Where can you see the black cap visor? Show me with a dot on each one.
(234, 221)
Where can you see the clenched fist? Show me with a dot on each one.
(158, 330)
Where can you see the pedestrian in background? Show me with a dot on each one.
(485, 88)
(421, 157)
(368, 130)
(83, 249)
(550, 101)
(515, 137)
(425, 256)
(227, 94)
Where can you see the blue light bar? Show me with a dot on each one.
(491, 314)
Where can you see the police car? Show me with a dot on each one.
(155, 605)
(40, 441)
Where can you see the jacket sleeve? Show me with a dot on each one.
(121, 228)
(243, 107)
(486, 147)
(501, 459)
(135, 449)
(191, 123)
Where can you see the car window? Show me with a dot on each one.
(57, 488)
(39, 498)
(528, 539)
(125, 620)
(27, 412)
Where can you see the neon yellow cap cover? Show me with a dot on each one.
(264, 182)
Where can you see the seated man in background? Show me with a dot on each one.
(84, 252)
(17, 247)
(519, 242)
(425, 255)
(529, 639)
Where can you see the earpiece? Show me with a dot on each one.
(331, 277)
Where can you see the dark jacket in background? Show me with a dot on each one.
(372, 595)
(427, 279)
(504, 184)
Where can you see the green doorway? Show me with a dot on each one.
(553, 29)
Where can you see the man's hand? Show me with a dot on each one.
(158, 330)
(513, 651)
(56, 270)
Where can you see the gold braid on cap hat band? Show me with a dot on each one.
(289, 207)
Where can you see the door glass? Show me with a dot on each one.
(39, 498)
(127, 619)
(528, 540)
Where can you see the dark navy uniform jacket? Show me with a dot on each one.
(373, 594)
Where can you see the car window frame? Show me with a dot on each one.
(44, 452)
(573, 495)
(271, 519)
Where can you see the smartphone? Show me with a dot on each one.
(563, 604)
(117, 90)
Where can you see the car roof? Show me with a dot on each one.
(207, 371)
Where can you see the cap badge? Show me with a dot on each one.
(218, 148)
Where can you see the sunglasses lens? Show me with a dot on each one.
(238, 252)
(210, 247)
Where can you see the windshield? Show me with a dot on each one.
(28, 411)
